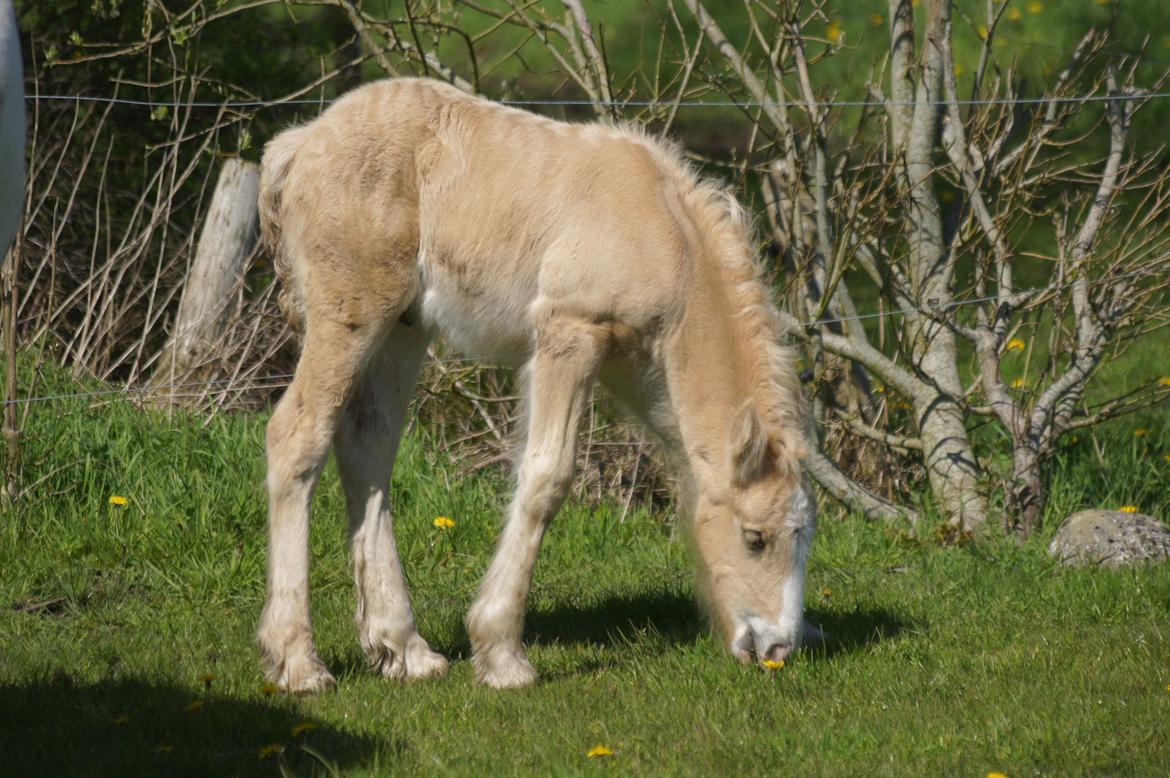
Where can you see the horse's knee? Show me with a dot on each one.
(547, 478)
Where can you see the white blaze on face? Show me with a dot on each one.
(775, 639)
(802, 520)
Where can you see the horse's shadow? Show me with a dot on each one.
(854, 632)
(619, 621)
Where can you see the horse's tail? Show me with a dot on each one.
(274, 172)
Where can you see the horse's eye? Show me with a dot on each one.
(754, 539)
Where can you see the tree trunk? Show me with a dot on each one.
(209, 293)
(950, 463)
(1026, 496)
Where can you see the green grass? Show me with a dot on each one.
(954, 661)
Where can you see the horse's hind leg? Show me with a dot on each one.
(351, 300)
(298, 438)
(561, 372)
(366, 444)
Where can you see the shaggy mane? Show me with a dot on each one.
(723, 223)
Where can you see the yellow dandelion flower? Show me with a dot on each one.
(1141, 432)
(599, 750)
(269, 689)
(1128, 509)
(1035, 7)
(994, 774)
(1018, 383)
(1015, 344)
(914, 3)
(876, 20)
(1014, 14)
(1166, 457)
(195, 706)
(772, 665)
(443, 522)
(269, 750)
(206, 679)
(302, 728)
(119, 500)
(1073, 439)
(826, 592)
(1164, 380)
(982, 30)
(833, 30)
(121, 718)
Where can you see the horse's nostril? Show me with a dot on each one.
(777, 652)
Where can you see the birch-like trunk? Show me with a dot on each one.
(950, 462)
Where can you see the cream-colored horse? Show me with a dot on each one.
(580, 251)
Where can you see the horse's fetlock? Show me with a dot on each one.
(504, 667)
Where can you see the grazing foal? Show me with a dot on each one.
(581, 252)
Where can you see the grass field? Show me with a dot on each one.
(126, 631)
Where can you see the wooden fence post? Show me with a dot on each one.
(229, 236)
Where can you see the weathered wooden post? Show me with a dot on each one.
(209, 293)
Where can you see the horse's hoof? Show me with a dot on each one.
(306, 675)
(505, 670)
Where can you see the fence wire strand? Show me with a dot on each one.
(570, 102)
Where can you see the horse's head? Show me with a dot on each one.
(754, 541)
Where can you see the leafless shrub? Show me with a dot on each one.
(922, 204)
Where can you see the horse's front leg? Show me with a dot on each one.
(561, 373)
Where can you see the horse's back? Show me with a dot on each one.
(522, 214)
(496, 213)
(339, 199)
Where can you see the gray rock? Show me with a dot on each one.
(1110, 539)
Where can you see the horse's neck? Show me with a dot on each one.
(706, 385)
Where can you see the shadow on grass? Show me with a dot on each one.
(610, 622)
(679, 619)
(853, 632)
(615, 619)
(135, 727)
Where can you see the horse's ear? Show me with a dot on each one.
(749, 446)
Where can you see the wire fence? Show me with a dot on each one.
(579, 102)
